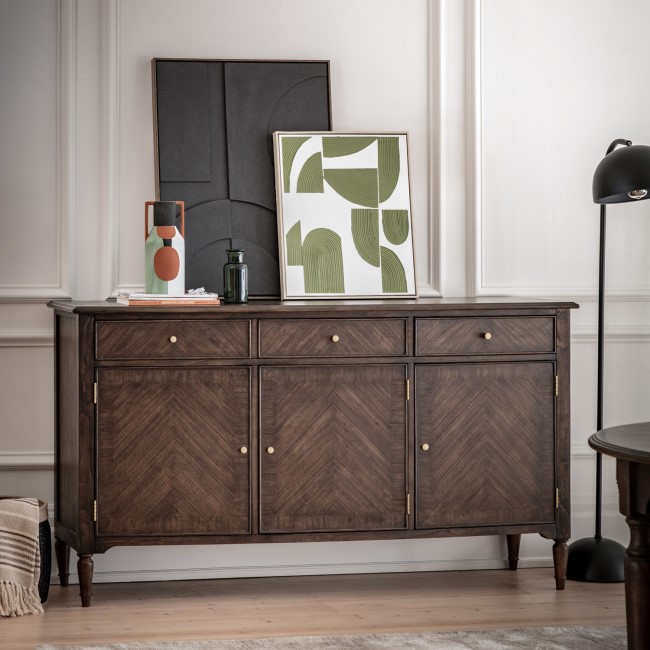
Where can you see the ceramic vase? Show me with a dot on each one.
(164, 249)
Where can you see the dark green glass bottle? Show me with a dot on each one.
(235, 277)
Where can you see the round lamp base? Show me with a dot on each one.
(596, 560)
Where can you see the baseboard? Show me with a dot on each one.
(161, 575)
(27, 461)
(24, 339)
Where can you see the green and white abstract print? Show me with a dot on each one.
(344, 215)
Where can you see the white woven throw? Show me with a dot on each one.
(20, 558)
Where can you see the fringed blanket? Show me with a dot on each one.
(20, 560)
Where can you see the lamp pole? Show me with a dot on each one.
(594, 559)
(601, 350)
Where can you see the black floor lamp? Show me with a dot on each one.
(621, 176)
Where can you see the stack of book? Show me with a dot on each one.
(191, 299)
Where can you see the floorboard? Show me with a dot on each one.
(345, 604)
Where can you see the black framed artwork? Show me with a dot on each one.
(213, 129)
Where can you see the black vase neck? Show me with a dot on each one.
(235, 256)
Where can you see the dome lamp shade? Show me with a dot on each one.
(623, 175)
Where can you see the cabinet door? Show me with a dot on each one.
(338, 441)
(169, 451)
(490, 430)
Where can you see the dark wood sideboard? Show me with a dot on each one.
(310, 421)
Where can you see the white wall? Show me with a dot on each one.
(510, 106)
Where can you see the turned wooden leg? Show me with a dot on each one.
(637, 582)
(560, 557)
(85, 571)
(513, 542)
(62, 551)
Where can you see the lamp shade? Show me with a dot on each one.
(622, 171)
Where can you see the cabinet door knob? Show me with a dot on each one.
(243, 450)
(172, 339)
(425, 447)
(335, 338)
(487, 336)
(269, 450)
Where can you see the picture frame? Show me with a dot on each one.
(213, 149)
(345, 227)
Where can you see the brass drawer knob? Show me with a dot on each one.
(269, 450)
(425, 447)
(335, 338)
(243, 450)
(172, 339)
(487, 336)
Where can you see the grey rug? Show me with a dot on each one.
(543, 638)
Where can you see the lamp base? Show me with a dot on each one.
(596, 560)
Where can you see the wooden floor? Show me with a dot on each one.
(350, 604)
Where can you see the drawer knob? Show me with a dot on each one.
(335, 338)
(172, 339)
(243, 450)
(269, 450)
(425, 447)
(487, 336)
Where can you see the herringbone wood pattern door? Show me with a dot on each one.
(338, 435)
(489, 428)
(169, 455)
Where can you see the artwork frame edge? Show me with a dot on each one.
(282, 255)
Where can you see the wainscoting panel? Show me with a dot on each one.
(536, 140)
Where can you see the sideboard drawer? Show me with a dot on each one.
(368, 337)
(172, 339)
(503, 335)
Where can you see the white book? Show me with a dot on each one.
(167, 299)
(163, 296)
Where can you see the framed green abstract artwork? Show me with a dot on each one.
(344, 215)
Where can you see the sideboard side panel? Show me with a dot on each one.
(67, 420)
(563, 431)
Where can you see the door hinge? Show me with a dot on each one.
(557, 385)
(408, 390)
(408, 504)
(557, 498)
(95, 393)
(95, 510)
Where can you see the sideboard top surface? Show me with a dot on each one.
(480, 303)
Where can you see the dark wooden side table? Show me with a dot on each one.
(630, 445)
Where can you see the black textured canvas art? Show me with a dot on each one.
(214, 123)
